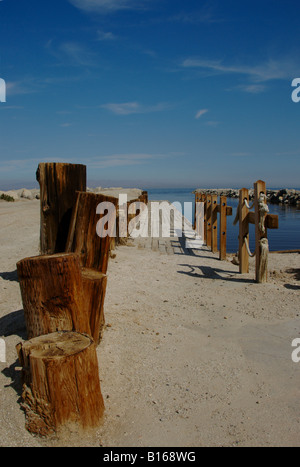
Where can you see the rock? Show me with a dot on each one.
(13, 194)
(27, 194)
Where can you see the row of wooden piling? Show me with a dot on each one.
(214, 233)
(207, 223)
(63, 293)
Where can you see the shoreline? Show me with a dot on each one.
(286, 196)
(290, 197)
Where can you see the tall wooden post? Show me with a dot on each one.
(208, 220)
(223, 227)
(94, 289)
(243, 231)
(200, 216)
(58, 185)
(197, 198)
(214, 223)
(91, 230)
(259, 188)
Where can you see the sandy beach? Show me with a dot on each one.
(193, 353)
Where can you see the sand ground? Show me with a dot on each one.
(194, 354)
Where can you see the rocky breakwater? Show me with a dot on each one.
(286, 196)
(24, 193)
(16, 195)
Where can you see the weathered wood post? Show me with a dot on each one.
(214, 223)
(204, 199)
(94, 290)
(208, 220)
(199, 223)
(261, 242)
(243, 231)
(58, 185)
(52, 294)
(195, 211)
(61, 386)
(223, 227)
(144, 197)
(262, 221)
(92, 227)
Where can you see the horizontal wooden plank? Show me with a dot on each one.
(272, 221)
(251, 217)
(228, 210)
(285, 251)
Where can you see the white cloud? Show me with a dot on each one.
(253, 88)
(106, 36)
(206, 14)
(106, 6)
(100, 162)
(121, 160)
(212, 123)
(200, 113)
(269, 70)
(70, 53)
(129, 108)
(75, 53)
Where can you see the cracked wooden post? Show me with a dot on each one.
(261, 245)
(223, 227)
(92, 227)
(214, 223)
(204, 199)
(208, 220)
(94, 290)
(58, 185)
(199, 223)
(61, 386)
(52, 294)
(243, 231)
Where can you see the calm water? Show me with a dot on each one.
(287, 237)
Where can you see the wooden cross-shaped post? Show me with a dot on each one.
(246, 217)
(211, 209)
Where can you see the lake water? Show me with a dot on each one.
(287, 237)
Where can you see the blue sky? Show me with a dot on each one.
(151, 93)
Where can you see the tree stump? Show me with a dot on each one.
(94, 289)
(52, 294)
(61, 386)
(58, 185)
(92, 228)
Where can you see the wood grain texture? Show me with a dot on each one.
(61, 386)
(52, 294)
(92, 246)
(58, 185)
(94, 290)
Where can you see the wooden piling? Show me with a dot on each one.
(214, 223)
(243, 231)
(223, 227)
(58, 185)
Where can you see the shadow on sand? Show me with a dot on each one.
(207, 272)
